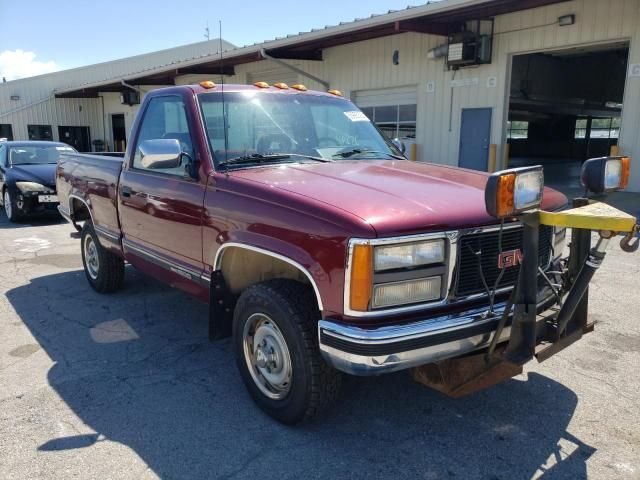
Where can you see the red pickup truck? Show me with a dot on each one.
(317, 245)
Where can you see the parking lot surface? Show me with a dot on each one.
(128, 386)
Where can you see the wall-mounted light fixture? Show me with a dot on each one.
(566, 20)
(15, 98)
(396, 57)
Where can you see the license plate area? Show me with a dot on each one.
(47, 199)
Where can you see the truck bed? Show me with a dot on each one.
(92, 180)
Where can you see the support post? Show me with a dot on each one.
(522, 342)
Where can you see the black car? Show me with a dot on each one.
(27, 176)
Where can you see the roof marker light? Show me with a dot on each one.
(337, 93)
(261, 84)
(299, 86)
(281, 86)
(207, 84)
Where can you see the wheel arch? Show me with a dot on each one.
(281, 267)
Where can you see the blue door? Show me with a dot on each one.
(475, 132)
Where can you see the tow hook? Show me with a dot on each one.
(631, 240)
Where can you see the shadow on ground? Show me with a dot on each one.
(136, 367)
(41, 219)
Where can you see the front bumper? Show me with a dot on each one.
(360, 351)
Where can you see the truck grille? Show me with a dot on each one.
(469, 281)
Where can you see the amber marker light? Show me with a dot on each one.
(626, 172)
(514, 191)
(281, 86)
(361, 282)
(337, 93)
(261, 84)
(300, 87)
(207, 84)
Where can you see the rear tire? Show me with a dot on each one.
(275, 336)
(10, 208)
(104, 270)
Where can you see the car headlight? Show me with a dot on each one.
(513, 191)
(559, 241)
(26, 187)
(409, 255)
(411, 291)
(383, 276)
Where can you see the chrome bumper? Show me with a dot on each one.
(360, 351)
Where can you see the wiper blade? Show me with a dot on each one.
(261, 158)
(358, 151)
(254, 158)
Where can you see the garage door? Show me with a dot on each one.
(393, 110)
(272, 76)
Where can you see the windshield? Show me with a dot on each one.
(36, 154)
(287, 128)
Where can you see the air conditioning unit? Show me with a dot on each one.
(473, 46)
(130, 97)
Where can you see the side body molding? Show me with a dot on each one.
(217, 264)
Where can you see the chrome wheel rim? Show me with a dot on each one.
(91, 259)
(267, 356)
(7, 204)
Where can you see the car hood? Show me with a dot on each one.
(43, 173)
(394, 197)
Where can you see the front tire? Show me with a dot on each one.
(10, 207)
(104, 270)
(275, 327)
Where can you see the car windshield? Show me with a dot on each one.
(36, 154)
(280, 128)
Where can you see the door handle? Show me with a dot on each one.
(125, 191)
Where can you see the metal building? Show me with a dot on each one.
(468, 82)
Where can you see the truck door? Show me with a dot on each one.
(161, 209)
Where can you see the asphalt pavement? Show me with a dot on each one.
(128, 386)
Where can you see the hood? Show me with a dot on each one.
(43, 173)
(394, 197)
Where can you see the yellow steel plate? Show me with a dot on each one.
(595, 216)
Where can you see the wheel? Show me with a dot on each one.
(275, 336)
(104, 270)
(10, 207)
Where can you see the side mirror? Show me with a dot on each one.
(605, 174)
(399, 144)
(160, 153)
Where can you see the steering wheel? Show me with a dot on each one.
(330, 141)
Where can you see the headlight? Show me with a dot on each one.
(559, 241)
(408, 255)
(26, 187)
(514, 191)
(403, 293)
(606, 174)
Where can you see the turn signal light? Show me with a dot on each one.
(299, 86)
(514, 191)
(281, 86)
(626, 172)
(337, 93)
(207, 84)
(361, 277)
(261, 84)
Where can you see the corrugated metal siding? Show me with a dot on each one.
(368, 65)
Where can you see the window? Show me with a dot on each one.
(165, 117)
(600, 127)
(6, 131)
(395, 121)
(39, 132)
(517, 130)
